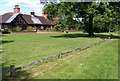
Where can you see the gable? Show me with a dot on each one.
(12, 18)
(19, 20)
(29, 19)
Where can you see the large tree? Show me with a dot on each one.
(116, 6)
(86, 10)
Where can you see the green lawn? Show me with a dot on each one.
(98, 62)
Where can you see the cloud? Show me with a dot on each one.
(4, 0)
(32, 4)
(0, 11)
(24, 2)
(38, 11)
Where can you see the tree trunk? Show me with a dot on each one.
(90, 28)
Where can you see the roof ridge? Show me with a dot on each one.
(55, 18)
(39, 16)
(9, 13)
(26, 14)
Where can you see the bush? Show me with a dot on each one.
(6, 31)
(13, 30)
(48, 28)
(59, 26)
(30, 28)
(16, 29)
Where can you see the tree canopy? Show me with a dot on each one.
(97, 16)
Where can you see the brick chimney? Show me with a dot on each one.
(16, 9)
(45, 15)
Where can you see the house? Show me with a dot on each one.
(17, 19)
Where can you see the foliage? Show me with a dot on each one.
(59, 26)
(87, 10)
(16, 29)
(79, 27)
(30, 28)
(6, 31)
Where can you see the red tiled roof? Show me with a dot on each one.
(40, 16)
(56, 20)
(9, 13)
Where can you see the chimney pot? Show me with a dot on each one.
(32, 13)
(16, 6)
(16, 9)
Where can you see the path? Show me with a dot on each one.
(41, 32)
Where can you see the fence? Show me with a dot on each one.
(12, 69)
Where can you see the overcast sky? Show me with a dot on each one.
(26, 6)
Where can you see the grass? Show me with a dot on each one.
(93, 63)
(99, 62)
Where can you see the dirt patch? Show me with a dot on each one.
(43, 70)
(46, 67)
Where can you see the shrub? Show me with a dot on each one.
(16, 29)
(48, 28)
(30, 28)
(59, 26)
(6, 31)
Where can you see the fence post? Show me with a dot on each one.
(11, 70)
(80, 49)
(59, 56)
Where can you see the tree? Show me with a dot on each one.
(86, 10)
(116, 6)
(59, 26)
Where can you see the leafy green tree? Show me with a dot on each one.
(105, 21)
(86, 10)
(59, 26)
(116, 6)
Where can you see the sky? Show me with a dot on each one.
(26, 6)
